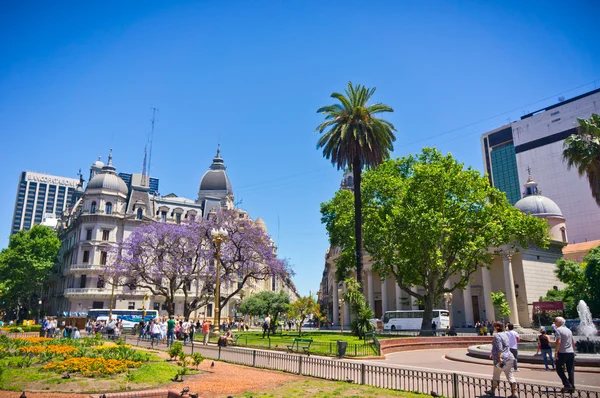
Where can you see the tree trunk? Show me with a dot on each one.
(426, 329)
(357, 172)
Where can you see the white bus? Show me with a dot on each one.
(130, 318)
(412, 319)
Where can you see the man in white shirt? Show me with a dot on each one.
(513, 343)
(267, 326)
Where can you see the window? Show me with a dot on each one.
(93, 208)
(156, 307)
(108, 208)
(100, 284)
(86, 256)
(97, 305)
(163, 216)
(103, 256)
(209, 313)
(88, 234)
(563, 232)
(178, 218)
(140, 213)
(131, 305)
(82, 281)
(105, 234)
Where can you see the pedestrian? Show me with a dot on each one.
(433, 327)
(544, 346)
(513, 342)
(170, 330)
(205, 332)
(155, 332)
(267, 327)
(565, 355)
(503, 361)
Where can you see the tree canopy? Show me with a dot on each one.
(265, 303)
(427, 218)
(24, 265)
(582, 150)
(356, 138)
(170, 258)
(301, 309)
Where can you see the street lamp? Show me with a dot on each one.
(218, 237)
(448, 300)
(144, 306)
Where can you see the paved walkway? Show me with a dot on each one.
(453, 360)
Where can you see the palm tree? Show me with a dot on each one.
(356, 138)
(582, 150)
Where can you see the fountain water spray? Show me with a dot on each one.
(586, 326)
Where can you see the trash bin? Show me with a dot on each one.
(341, 347)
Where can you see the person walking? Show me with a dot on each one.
(513, 342)
(565, 355)
(205, 332)
(267, 327)
(170, 331)
(503, 361)
(155, 332)
(544, 346)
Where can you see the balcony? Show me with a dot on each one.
(83, 268)
(87, 291)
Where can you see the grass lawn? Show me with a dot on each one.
(329, 389)
(324, 343)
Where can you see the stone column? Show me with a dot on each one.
(336, 304)
(370, 291)
(509, 288)
(384, 296)
(468, 303)
(487, 298)
(398, 297)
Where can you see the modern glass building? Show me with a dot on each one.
(39, 194)
(501, 162)
(153, 182)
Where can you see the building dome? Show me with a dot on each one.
(108, 179)
(537, 205)
(260, 224)
(215, 179)
(98, 164)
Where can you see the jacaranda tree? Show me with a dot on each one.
(171, 259)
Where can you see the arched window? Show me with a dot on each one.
(108, 208)
(563, 232)
(140, 213)
(93, 208)
(100, 282)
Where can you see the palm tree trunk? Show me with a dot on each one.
(357, 172)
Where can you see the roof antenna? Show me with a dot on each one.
(150, 139)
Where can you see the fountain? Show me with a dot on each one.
(586, 327)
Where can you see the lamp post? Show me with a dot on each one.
(218, 237)
(448, 299)
(144, 306)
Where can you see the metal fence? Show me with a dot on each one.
(436, 383)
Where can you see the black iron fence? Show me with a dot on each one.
(453, 385)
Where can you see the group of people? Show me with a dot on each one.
(484, 328)
(505, 354)
(166, 331)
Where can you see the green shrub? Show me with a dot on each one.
(197, 358)
(175, 350)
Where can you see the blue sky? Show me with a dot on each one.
(78, 78)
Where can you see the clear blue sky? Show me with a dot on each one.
(77, 78)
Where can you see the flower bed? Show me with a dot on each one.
(91, 367)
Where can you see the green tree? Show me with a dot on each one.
(582, 150)
(500, 304)
(356, 138)
(24, 265)
(301, 309)
(266, 302)
(427, 218)
(361, 323)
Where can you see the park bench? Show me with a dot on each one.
(298, 344)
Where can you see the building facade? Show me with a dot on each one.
(107, 212)
(524, 275)
(40, 196)
(534, 146)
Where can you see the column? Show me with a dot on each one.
(487, 298)
(370, 291)
(468, 303)
(509, 288)
(346, 316)
(398, 297)
(336, 304)
(384, 296)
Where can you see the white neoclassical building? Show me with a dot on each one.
(106, 212)
(524, 275)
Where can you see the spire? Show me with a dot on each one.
(531, 187)
(110, 158)
(218, 151)
(218, 163)
(144, 172)
(109, 166)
